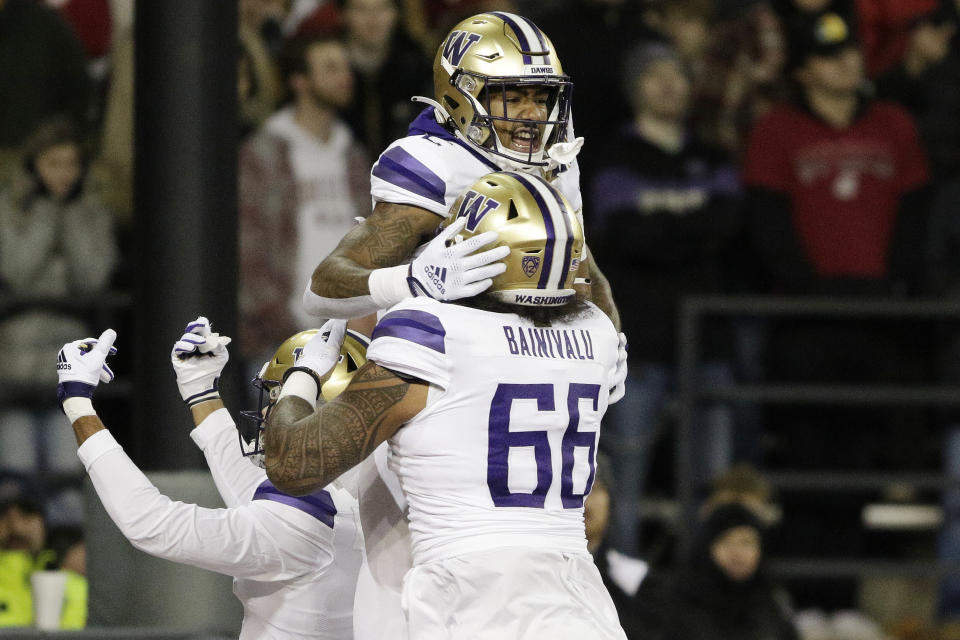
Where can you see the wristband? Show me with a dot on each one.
(300, 382)
(77, 407)
(203, 396)
(212, 394)
(388, 286)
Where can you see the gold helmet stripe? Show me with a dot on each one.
(559, 234)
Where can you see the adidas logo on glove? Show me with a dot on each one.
(437, 275)
(62, 364)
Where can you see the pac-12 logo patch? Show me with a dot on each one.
(530, 264)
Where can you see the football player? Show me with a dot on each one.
(294, 559)
(501, 102)
(491, 408)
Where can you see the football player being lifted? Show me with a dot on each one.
(501, 102)
(491, 408)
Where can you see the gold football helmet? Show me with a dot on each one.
(538, 224)
(353, 353)
(499, 50)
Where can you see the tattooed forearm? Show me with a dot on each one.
(385, 239)
(304, 454)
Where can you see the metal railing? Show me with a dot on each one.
(690, 393)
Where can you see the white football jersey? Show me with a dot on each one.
(431, 168)
(504, 452)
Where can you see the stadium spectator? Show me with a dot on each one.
(56, 239)
(44, 73)
(742, 75)
(389, 66)
(885, 28)
(742, 484)
(303, 179)
(23, 550)
(837, 181)
(927, 82)
(928, 44)
(664, 205)
(22, 534)
(723, 591)
(70, 556)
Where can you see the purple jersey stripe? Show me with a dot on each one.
(418, 327)
(521, 37)
(548, 223)
(319, 504)
(399, 168)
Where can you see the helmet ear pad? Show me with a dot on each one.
(539, 226)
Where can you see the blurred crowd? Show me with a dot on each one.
(785, 147)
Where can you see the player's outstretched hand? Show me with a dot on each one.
(82, 364)
(619, 383)
(322, 351)
(456, 271)
(198, 357)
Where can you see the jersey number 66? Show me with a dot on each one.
(501, 439)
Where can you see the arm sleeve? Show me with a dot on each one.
(262, 541)
(235, 476)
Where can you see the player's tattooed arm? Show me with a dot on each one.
(306, 449)
(600, 292)
(385, 239)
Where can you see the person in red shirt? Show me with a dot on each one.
(837, 182)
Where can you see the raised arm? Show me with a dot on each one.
(263, 540)
(368, 270)
(198, 359)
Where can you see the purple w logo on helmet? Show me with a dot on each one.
(474, 207)
(457, 45)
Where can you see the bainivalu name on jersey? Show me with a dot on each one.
(566, 344)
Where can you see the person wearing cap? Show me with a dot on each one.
(664, 205)
(722, 592)
(837, 181)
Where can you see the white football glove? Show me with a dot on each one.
(198, 357)
(619, 386)
(322, 351)
(82, 364)
(454, 272)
